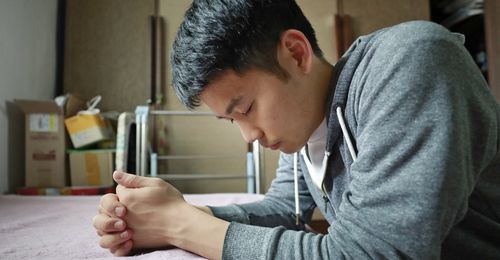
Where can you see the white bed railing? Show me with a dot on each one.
(147, 159)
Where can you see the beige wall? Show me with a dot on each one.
(370, 15)
(367, 16)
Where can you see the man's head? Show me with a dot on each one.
(220, 35)
(256, 62)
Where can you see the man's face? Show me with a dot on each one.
(280, 115)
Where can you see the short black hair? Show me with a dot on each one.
(217, 35)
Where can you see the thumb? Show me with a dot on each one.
(133, 181)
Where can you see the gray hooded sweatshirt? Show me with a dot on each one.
(426, 181)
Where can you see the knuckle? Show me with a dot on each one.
(113, 206)
(108, 201)
(120, 252)
(108, 225)
(94, 221)
(103, 242)
(124, 248)
(101, 226)
(106, 197)
(125, 198)
(158, 181)
(119, 190)
(102, 199)
(101, 223)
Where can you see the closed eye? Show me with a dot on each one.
(249, 109)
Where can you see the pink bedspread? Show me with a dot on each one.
(59, 227)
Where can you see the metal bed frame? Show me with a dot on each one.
(148, 166)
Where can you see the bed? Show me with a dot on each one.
(60, 227)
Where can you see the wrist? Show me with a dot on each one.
(200, 232)
(178, 223)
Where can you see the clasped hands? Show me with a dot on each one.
(144, 213)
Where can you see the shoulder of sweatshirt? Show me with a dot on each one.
(412, 32)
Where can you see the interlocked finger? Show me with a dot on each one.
(105, 224)
(122, 249)
(114, 239)
(111, 206)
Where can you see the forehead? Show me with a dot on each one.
(221, 92)
(227, 85)
(231, 85)
(230, 82)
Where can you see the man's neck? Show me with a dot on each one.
(322, 81)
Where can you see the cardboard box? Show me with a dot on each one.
(91, 167)
(45, 143)
(85, 129)
(72, 105)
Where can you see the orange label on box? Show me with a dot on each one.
(87, 129)
(92, 169)
(80, 123)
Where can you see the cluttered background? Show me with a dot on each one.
(70, 68)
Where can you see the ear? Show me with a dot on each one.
(294, 48)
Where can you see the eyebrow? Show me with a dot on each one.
(232, 104)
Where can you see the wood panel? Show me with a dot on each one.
(107, 51)
(492, 31)
(369, 16)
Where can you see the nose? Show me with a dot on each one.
(249, 132)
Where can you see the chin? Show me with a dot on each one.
(290, 150)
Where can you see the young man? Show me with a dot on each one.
(397, 144)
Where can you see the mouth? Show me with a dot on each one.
(275, 146)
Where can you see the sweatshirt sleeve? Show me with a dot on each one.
(426, 127)
(278, 206)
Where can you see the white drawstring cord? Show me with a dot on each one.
(296, 184)
(346, 134)
(347, 138)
